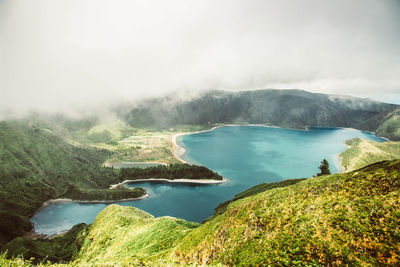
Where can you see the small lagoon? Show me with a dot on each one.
(245, 155)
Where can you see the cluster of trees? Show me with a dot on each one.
(173, 171)
(119, 193)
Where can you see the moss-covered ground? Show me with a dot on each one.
(350, 218)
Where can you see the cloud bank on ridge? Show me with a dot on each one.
(56, 53)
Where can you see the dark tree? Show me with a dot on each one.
(324, 167)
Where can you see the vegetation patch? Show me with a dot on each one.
(361, 152)
(37, 165)
(61, 248)
(173, 171)
(119, 193)
(221, 208)
(127, 235)
(338, 219)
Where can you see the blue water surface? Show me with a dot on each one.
(245, 155)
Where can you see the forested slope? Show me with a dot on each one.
(285, 108)
(37, 165)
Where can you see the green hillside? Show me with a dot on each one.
(390, 127)
(284, 108)
(37, 165)
(127, 235)
(385, 124)
(60, 248)
(361, 152)
(111, 132)
(350, 218)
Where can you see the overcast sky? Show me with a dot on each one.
(57, 53)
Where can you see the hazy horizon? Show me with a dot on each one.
(58, 54)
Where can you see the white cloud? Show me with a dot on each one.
(62, 52)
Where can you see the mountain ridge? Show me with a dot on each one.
(284, 108)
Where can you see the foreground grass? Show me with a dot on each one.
(348, 218)
(221, 208)
(343, 219)
(127, 235)
(361, 152)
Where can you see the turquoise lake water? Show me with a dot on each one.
(246, 156)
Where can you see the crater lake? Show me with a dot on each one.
(244, 155)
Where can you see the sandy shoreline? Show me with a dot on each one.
(185, 181)
(178, 151)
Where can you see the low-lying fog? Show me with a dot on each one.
(65, 54)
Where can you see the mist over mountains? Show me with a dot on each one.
(284, 108)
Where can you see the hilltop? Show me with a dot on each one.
(350, 218)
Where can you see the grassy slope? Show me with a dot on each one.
(221, 208)
(385, 124)
(37, 165)
(146, 145)
(110, 132)
(61, 248)
(345, 218)
(361, 152)
(127, 235)
(350, 218)
(390, 127)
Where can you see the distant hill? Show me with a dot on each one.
(342, 219)
(285, 108)
(111, 132)
(385, 124)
